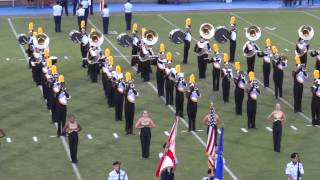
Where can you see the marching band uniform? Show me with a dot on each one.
(315, 102)
(55, 90)
(187, 42)
(240, 83)
(135, 46)
(169, 83)
(145, 64)
(233, 38)
(160, 74)
(193, 95)
(94, 63)
(129, 105)
(202, 47)
(216, 61)
(298, 78)
(119, 88)
(266, 56)
(180, 89)
(253, 92)
(226, 75)
(250, 47)
(279, 63)
(84, 45)
(29, 50)
(105, 69)
(109, 86)
(72, 127)
(36, 66)
(316, 54)
(61, 106)
(302, 48)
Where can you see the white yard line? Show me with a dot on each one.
(115, 135)
(269, 128)
(74, 166)
(294, 128)
(244, 130)
(155, 89)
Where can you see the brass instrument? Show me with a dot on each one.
(150, 37)
(207, 31)
(253, 33)
(306, 32)
(41, 41)
(95, 38)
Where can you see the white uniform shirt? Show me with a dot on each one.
(127, 7)
(105, 12)
(85, 4)
(188, 36)
(57, 10)
(89, 2)
(80, 12)
(292, 169)
(122, 175)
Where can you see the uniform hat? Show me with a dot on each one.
(143, 30)
(297, 60)
(93, 30)
(162, 48)
(192, 79)
(178, 68)
(169, 56)
(116, 163)
(188, 22)
(268, 42)
(134, 28)
(110, 60)
(49, 63)
(274, 49)
(237, 65)
(128, 76)
(83, 24)
(40, 30)
(251, 76)
(225, 57)
(233, 20)
(215, 47)
(316, 74)
(30, 26)
(107, 52)
(118, 69)
(46, 52)
(54, 69)
(61, 79)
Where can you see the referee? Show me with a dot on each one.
(57, 12)
(128, 14)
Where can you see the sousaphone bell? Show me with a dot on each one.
(207, 31)
(95, 39)
(150, 37)
(306, 32)
(41, 41)
(253, 33)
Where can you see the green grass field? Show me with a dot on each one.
(248, 155)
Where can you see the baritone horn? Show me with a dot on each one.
(306, 32)
(207, 31)
(253, 33)
(95, 38)
(150, 37)
(42, 41)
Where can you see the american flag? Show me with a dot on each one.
(211, 147)
(101, 5)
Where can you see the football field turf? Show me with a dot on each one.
(248, 155)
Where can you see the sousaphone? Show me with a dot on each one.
(207, 31)
(41, 41)
(306, 32)
(95, 38)
(150, 37)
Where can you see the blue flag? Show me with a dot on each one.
(219, 163)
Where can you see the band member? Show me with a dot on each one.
(240, 83)
(94, 62)
(187, 41)
(61, 106)
(279, 62)
(160, 73)
(29, 50)
(145, 123)
(55, 88)
(202, 49)
(105, 70)
(299, 75)
(128, 14)
(278, 118)
(316, 53)
(169, 80)
(107, 80)
(233, 37)
(44, 71)
(105, 18)
(193, 95)
(72, 127)
(57, 12)
(226, 75)
(145, 61)
(180, 89)
(216, 120)
(250, 48)
(84, 45)
(294, 169)
(302, 48)
(266, 56)
(81, 17)
(315, 102)
(135, 45)
(119, 88)
(216, 68)
(129, 104)
(253, 93)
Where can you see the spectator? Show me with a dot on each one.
(117, 173)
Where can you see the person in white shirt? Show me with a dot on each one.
(294, 169)
(117, 173)
(128, 14)
(187, 42)
(105, 19)
(57, 12)
(81, 16)
(91, 6)
(85, 5)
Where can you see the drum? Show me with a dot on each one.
(177, 36)
(124, 40)
(221, 34)
(23, 39)
(75, 36)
